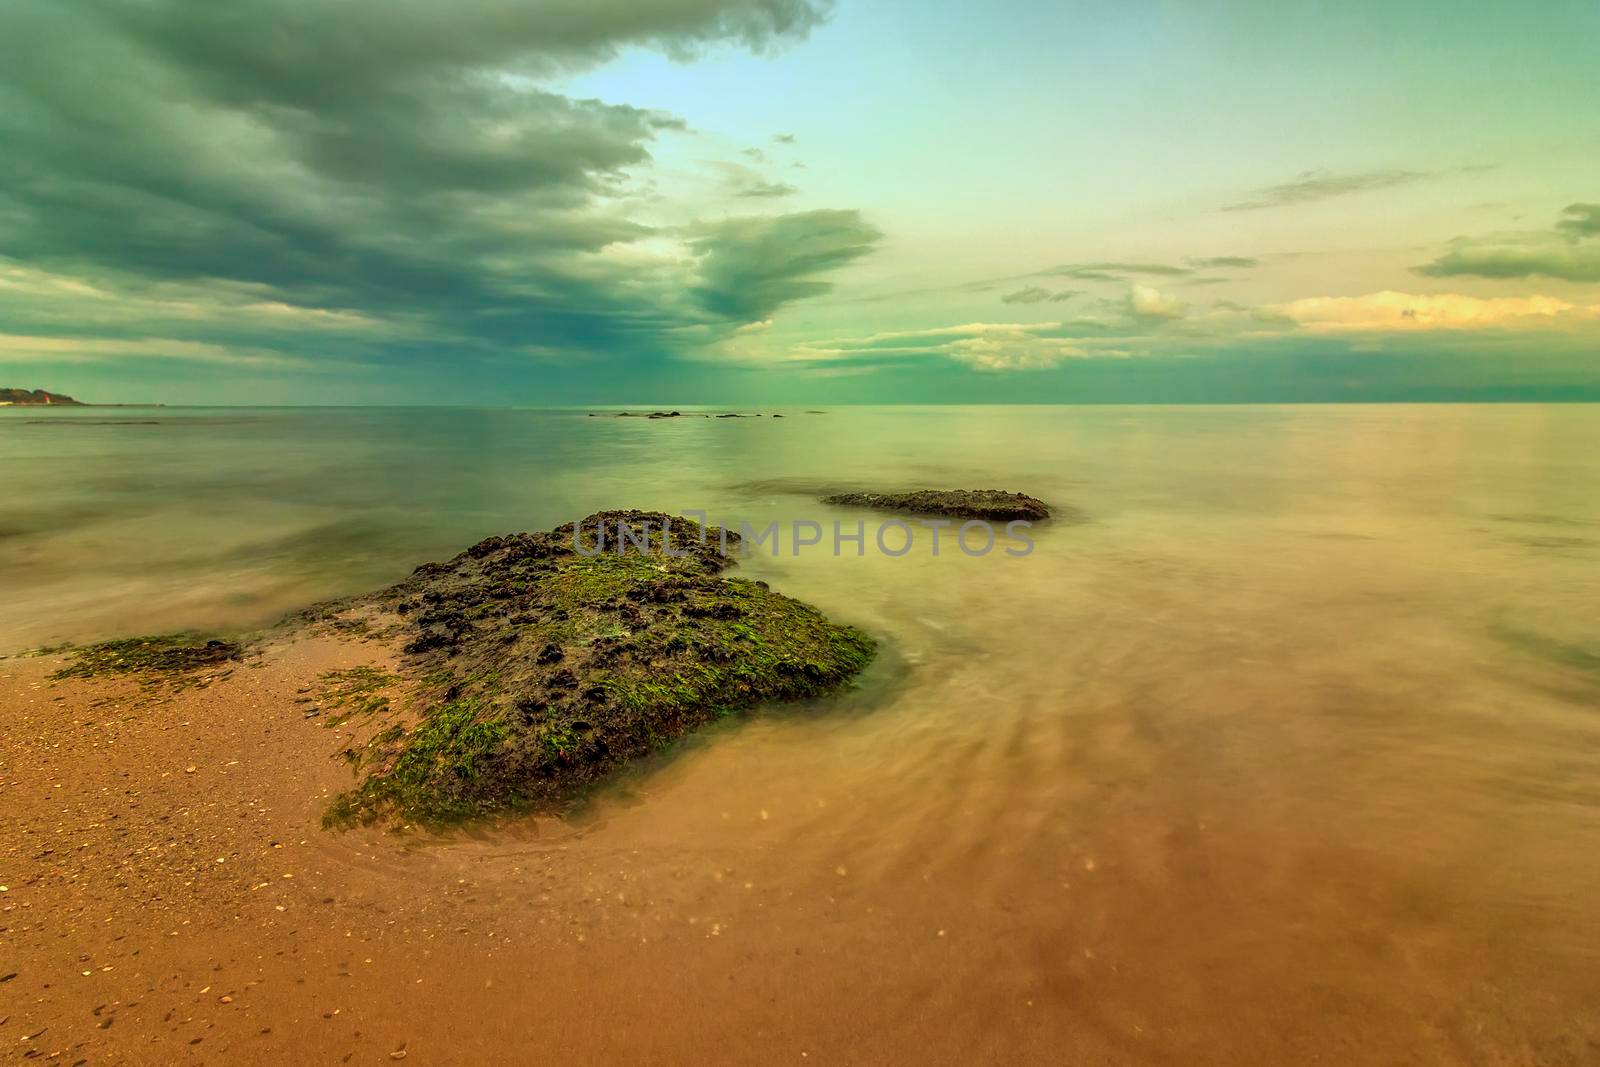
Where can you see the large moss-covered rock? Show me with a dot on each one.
(542, 666)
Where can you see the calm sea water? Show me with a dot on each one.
(1294, 709)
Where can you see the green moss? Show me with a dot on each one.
(439, 775)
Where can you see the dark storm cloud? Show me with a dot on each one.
(313, 53)
(382, 157)
(752, 266)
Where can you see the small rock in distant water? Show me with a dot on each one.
(691, 415)
(956, 503)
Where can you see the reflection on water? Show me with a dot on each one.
(1292, 746)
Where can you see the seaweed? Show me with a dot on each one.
(177, 660)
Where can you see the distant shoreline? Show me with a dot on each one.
(31, 406)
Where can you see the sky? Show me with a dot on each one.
(557, 202)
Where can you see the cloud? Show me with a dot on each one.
(1363, 343)
(1562, 252)
(983, 346)
(1581, 220)
(1405, 312)
(366, 162)
(767, 190)
(21, 348)
(1569, 263)
(1112, 271)
(363, 41)
(1094, 270)
(749, 267)
(1033, 294)
(1313, 185)
(41, 299)
(1220, 262)
(1145, 302)
(747, 183)
(783, 138)
(1013, 351)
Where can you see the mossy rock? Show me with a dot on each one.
(996, 504)
(544, 668)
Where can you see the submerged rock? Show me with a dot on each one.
(956, 503)
(682, 415)
(546, 660)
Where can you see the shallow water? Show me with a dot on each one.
(1284, 739)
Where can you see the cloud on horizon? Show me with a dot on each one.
(1392, 311)
(1148, 325)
